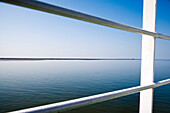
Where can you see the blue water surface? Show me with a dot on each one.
(25, 84)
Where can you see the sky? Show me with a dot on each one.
(29, 33)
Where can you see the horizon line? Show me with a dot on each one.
(5, 59)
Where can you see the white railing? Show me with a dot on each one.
(148, 52)
(75, 103)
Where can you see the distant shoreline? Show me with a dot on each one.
(37, 59)
(68, 59)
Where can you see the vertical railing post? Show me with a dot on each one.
(148, 55)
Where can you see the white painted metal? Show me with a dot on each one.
(75, 103)
(34, 4)
(147, 65)
(148, 55)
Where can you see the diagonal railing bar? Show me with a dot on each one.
(33, 4)
(75, 103)
(148, 39)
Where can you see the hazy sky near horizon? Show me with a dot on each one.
(29, 33)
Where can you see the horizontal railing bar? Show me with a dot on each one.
(75, 103)
(80, 16)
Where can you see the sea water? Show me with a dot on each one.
(25, 84)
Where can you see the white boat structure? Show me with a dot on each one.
(147, 63)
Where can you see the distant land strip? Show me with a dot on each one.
(37, 59)
(68, 59)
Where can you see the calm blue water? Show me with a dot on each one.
(25, 84)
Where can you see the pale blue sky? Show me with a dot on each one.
(29, 33)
